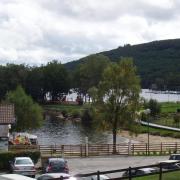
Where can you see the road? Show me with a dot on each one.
(88, 165)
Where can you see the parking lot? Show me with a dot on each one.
(87, 165)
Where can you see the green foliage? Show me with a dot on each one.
(116, 99)
(157, 62)
(28, 113)
(5, 157)
(154, 106)
(56, 79)
(87, 117)
(89, 73)
(177, 119)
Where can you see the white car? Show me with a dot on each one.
(14, 177)
(23, 166)
(170, 164)
(55, 176)
(138, 172)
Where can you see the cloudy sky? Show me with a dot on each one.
(37, 31)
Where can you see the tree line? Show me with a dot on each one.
(52, 79)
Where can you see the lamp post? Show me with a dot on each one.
(147, 112)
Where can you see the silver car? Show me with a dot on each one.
(23, 166)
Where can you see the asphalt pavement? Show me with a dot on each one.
(88, 165)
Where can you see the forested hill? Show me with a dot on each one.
(157, 62)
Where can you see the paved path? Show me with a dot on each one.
(87, 165)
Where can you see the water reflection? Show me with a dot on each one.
(56, 131)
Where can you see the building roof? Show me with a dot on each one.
(7, 115)
(4, 130)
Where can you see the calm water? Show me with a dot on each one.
(55, 131)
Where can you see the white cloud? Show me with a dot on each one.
(35, 32)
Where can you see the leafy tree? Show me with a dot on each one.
(89, 73)
(28, 113)
(35, 83)
(117, 98)
(154, 107)
(56, 80)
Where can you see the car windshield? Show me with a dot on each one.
(174, 157)
(23, 161)
(57, 163)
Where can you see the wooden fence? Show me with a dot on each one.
(85, 150)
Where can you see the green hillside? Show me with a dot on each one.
(157, 62)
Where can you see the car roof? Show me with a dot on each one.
(56, 159)
(22, 158)
(56, 175)
(146, 169)
(169, 161)
(15, 177)
(174, 154)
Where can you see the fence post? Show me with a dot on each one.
(146, 149)
(81, 150)
(160, 172)
(62, 150)
(130, 175)
(129, 147)
(98, 175)
(86, 144)
(161, 149)
(133, 149)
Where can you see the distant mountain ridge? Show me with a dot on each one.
(158, 62)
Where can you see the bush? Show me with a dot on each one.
(75, 114)
(5, 157)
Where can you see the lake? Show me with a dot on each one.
(55, 131)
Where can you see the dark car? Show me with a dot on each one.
(55, 165)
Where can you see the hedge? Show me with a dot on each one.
(5, 157)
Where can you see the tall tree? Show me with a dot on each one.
(116, 99)
(56, 79)
(89, 73)
(28, 113)
(35, 83)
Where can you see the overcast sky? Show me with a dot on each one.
(37, 31)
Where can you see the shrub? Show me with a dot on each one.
(5, 157)
(75, 114)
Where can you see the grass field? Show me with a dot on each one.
(166, 176)
(169, 107)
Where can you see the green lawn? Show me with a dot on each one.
(166, 176)
(169, 107)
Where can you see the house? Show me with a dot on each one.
(7, 118)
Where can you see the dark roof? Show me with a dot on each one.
(4, 130)
(7, 114)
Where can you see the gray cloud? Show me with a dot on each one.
(35, 32)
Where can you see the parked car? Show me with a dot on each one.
(138, 172)
(174, 157)
(23, 166)
(170, 164)
(49, 176)
(55, 165)
(14, 177)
